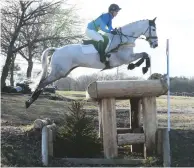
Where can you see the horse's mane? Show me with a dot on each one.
(134, 22)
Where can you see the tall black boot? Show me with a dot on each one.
(103, 55)
(101, 51)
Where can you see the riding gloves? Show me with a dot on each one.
(113, 32)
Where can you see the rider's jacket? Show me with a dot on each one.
(101, 22)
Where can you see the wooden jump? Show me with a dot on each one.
(142, 95)
(142, 99)
(123, 89)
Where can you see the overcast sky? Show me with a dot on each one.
(175, 21)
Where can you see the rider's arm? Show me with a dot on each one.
(110, 25)
(103, 19)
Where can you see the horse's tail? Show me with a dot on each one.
(45, 62)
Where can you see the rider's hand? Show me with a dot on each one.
(113, 32)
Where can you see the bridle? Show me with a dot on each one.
(151, 23)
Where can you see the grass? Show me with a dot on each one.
(72, 92)
(13, 109)
(76, 95)
(19, 149)
(179, 103)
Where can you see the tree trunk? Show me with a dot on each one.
(12, 70)
(29, 69)
(10, 52)
(6, 67)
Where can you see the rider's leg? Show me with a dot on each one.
(94, 35)
(97, 37)
(101, 51)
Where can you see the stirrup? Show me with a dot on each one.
(107, 65)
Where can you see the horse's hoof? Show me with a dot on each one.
(144, 70)
(27, 104)
(131, 66)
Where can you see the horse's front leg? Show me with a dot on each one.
(143, 56)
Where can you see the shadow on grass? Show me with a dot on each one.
(20, 149)
(182, 148)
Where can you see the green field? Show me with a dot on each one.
(178, 103)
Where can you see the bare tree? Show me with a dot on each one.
(61, 27)
(16, 16)
(65, 84)
(13, 69)
(82, 82)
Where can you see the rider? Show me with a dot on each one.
(100, 24)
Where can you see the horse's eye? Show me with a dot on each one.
(153, 29)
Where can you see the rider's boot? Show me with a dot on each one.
(103, 57)
(107, 63)
(101, 51)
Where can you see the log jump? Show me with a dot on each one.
(142, 99)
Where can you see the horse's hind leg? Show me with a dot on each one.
(48, 80)
(34, 96)
(53, 76)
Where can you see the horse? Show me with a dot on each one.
(85, 54)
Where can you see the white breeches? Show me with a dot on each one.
(94, 35)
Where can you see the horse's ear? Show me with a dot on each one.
(154, 19)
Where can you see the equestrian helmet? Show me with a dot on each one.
(114, 7)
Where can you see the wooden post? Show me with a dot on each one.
(135, 123)
(45, 146)
(159, 139)
(150, 123)
(53, 127)
(51, 138)
(48, 136)
(100, 119)
(135, 112)
(50, 142)
(40, 123)
(130, 115)
(109, 127)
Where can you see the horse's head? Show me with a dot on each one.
(132, 31)
(150, 33)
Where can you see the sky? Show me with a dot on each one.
(175, 21)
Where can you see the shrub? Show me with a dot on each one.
(78, 137)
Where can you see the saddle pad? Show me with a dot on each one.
(88, 49)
